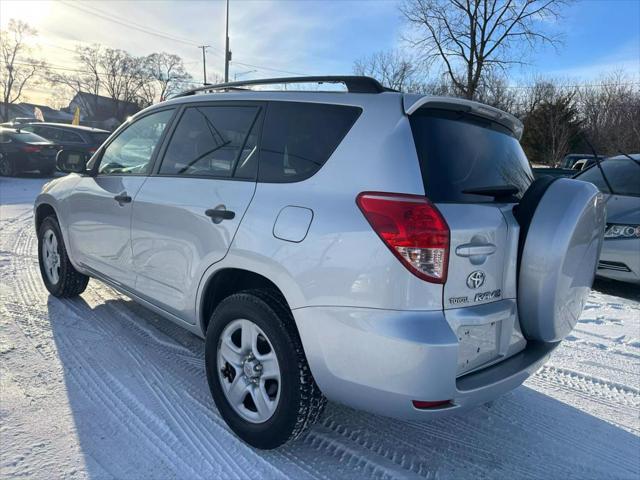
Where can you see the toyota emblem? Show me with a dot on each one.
(475, 279)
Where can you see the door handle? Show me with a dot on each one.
(122, 198)
(220, 213)
(473, 249)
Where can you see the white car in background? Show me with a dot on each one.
(620, 257)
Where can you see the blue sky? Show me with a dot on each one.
(278, 37)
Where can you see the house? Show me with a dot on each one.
(49, 114)
(100, 111)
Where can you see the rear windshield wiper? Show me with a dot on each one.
(499, 192)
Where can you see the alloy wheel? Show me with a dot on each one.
(248, 371)
(51, 256)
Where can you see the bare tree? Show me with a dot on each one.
(391, 68)
(551, 122)
(19, 68)
(610, 114)
(473, 36)
(168, 74)
(109, 72)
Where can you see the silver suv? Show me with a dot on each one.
(387, 251)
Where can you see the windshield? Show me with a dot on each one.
(623, 174)
(459, 151)
(99, 137)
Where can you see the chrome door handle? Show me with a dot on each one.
(473, 250)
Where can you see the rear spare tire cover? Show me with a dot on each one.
(559, 258)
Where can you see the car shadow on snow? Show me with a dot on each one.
(142, 409)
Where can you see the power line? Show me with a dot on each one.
(269, 68)
(126, 23)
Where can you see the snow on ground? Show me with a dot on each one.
(99, 387)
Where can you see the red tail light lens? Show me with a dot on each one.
(413, 229)
(427, 405)
(31, 149)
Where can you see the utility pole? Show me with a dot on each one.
(227, 53)
(204, 62)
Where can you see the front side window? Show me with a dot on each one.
(298, 138)
(130, 153)
(213, 141)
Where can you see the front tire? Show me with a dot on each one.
(257, 371)
(58, 274)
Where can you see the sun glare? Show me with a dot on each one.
(31, 11)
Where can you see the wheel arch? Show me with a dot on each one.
(42, 211)
(225, 282)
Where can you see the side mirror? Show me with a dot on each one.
(72, 161)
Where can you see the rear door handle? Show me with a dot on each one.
(220, 213)
(122, 198)
(473, 249)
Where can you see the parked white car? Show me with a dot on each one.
(383, 250)
(620, 257)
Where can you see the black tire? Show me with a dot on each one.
(526, 208)
(70, 282)
(7, 168)
(300, 403)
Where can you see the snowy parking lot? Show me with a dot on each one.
(99, 387)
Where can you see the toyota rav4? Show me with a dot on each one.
(387, 251)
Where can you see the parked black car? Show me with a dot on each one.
(22, 151)
(69, 137)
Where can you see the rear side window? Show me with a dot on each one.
(458, 151)
(298, 138)
(213, 142)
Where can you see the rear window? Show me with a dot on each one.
(27, 137)
(298, 138)
(623, 175)
(458, 151)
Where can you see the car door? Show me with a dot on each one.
(99, 208)
(187, 212)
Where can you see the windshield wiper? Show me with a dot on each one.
(499, 192)
(599, 164)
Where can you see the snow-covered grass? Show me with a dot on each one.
(99, 387)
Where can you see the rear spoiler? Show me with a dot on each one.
(413, 102)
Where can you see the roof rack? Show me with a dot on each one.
(354, 84)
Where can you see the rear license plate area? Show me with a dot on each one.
(477, 345)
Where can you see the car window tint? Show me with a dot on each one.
(131, 151)
(623, 175)
(459, 151)
(298, 138)
(212, 141)
(70, 137)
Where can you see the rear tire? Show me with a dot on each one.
(7, 168)
(58, 274)
(298, 400)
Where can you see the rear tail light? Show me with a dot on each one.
(31, 149)
(92, 151)
(413, 229)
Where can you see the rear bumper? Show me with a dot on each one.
(620, 260)
(381, 360)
